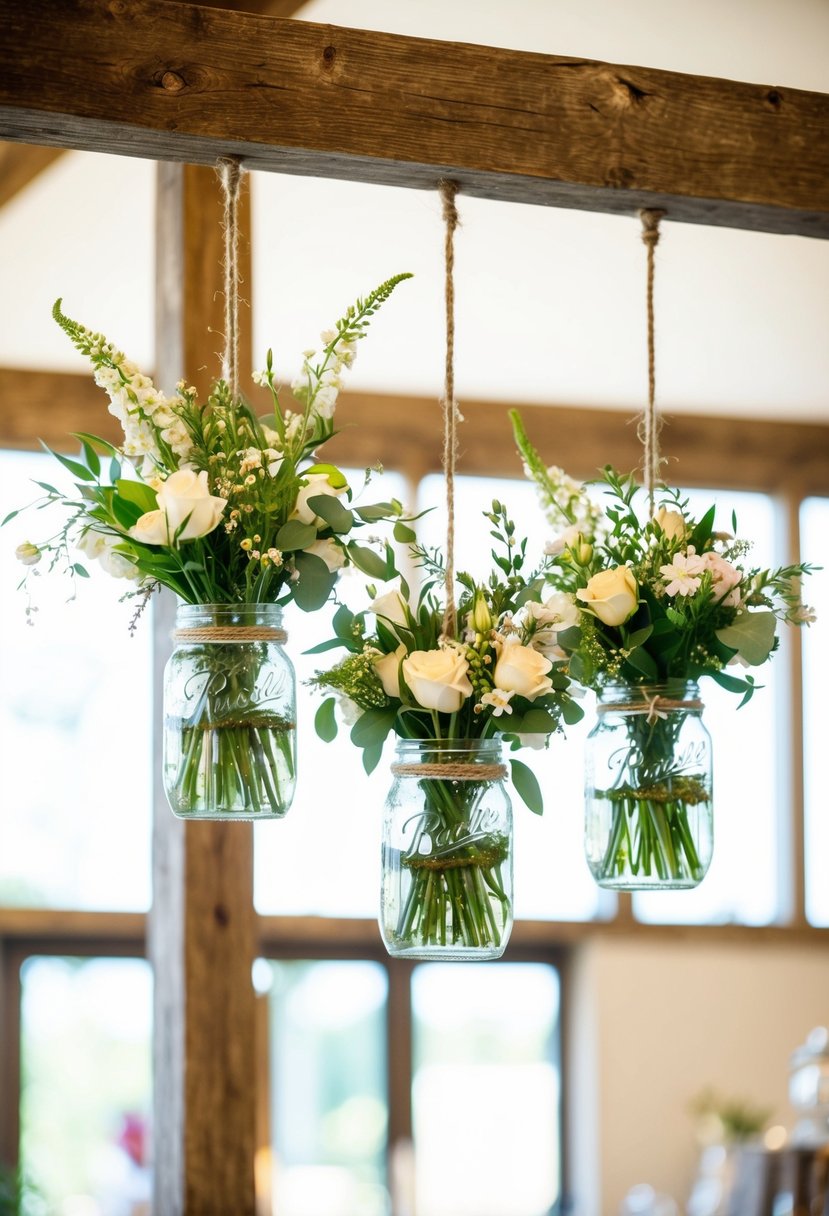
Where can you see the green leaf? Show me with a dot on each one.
(81, 570)
(403, 534)
(126, 513)
(640, 660)
(90, 456)
(315, 582)
(44, 485)
(343, 623)
(370, 562)
(325, 720)
(321, 647)
(336, 479)
(538, 722)
(571, 712)
(338, 517)
(731, 683)
(95, 441)
(569, 639)
(372, 727)
(114, 470)
(371, 758)
(139, 494)
(375, 512)
(10, 516)
(751, 634)
(74, 466)
(638, 638)
(294, 536)
(526, 786)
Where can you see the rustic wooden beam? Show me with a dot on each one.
(405, 432)
(202, 922)
(174, 81)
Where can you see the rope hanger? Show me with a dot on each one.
(651, 424)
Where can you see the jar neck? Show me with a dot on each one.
(666, 696)
(228, 616)
(449, 751)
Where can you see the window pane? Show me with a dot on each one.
(742, 884)
(75, 726)
(328, 1088)
(552, 881)
(486, 1093)
(85, 1101)
(337, 813)
(814, 530)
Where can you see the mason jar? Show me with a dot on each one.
(229, 714)
(648, 788)
(447, 851)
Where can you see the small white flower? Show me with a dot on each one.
(499, 700)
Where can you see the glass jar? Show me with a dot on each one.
(648, 787)
(447, 852)
(229, 714)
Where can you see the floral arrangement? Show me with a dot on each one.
(209, 500)
(492, 678)
(228, 510)
(655, 602)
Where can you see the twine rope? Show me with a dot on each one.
(230, 175)
(655, 707)
(452, 771)
(651, 423)
(451, 416)
(230, 633)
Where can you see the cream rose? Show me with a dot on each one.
(391, 608)
(318, 484)
(522, 670)
(387, 667)
(611, 595)
(185, 495)
(151, 529)
(671, 523)
(438, 679)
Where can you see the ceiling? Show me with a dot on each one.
(550, 302)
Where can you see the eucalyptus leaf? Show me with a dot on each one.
(371, 758)
(369, 562)
(294, 536)
(372, 727)
(571, 712)
(526, 786)
(751, 634)
(403, 534)
(325, 720)
(315, 584)
(338, 517)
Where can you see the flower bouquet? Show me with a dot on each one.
(450, 695)
(654, 604)
(236, 515)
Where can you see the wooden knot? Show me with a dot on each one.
(650, 226)
(172, 82)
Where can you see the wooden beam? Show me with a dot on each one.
(400, 431)
(202, 923)
(174, 81)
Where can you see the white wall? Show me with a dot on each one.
(655, 1022)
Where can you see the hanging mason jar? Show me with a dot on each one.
(648, 788)
(447, 852)
(229, 714)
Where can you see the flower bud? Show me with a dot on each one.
(481, 616)
(28, 554)
(582, 551)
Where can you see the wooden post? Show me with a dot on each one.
(202, 927)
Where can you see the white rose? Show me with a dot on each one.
(612, 595)
(563, 541)
(671, 523)
(330, 552)
(318, 483)
(558, 612)
(391, 608)
(438, 679)
(522, 670)
(151, 529)
(116, 564)
(185, 495)
(387, 667)
(28, 554)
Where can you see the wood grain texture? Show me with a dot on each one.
(202, 925)
(178, 82)
(405, 433)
